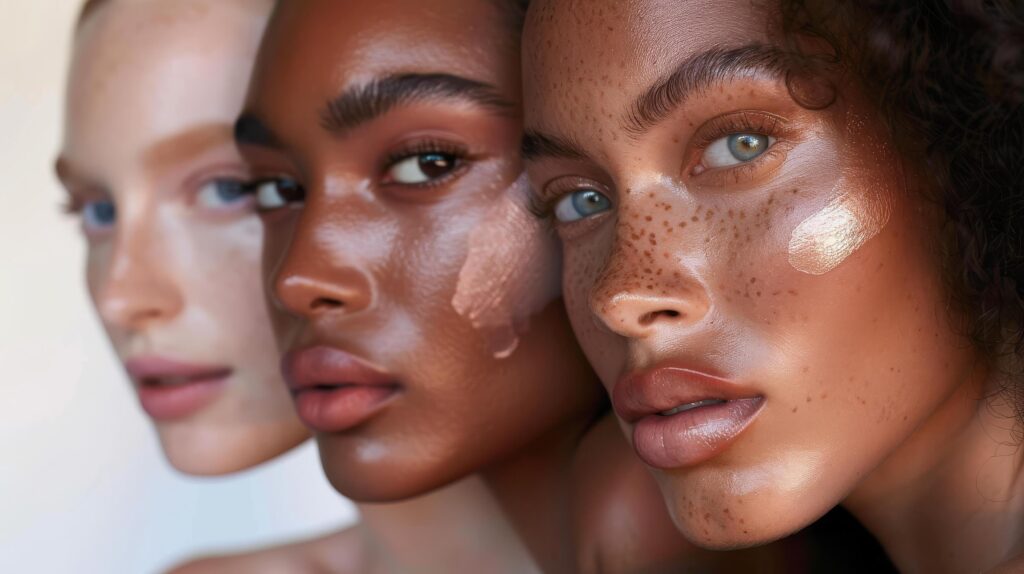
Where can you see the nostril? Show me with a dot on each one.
(325, 304)
(648, 319)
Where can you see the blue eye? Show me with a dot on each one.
(98, 214)
(222, 193)
(735, 149)
(275, 193)
(580, 204)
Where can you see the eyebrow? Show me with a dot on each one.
(187, 144)
(698, 73)
(538, 145)
(251, 131)
(360, 104)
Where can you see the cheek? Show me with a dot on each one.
(585, 259)
(511, 273)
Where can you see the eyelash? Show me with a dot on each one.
(429, 146)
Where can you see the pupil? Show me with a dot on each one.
(746, 146)
(435, 165)
(290, 190)
(590, 202)
(103, 212)
(230, 190)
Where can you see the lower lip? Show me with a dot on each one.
(341, 408)
(168, 403)
(694, 436)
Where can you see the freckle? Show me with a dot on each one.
(824, 396)
(707, 516)
(792, 292)
(753, 280)
(809, 399)
(776, 293)
(794, 192)
(794, 409)
(648, 218)
(694, 219)
(904, 417)
(805, 369)
(758, 293)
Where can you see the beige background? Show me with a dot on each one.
(83, 487)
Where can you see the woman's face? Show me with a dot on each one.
(173, 243)
(420, 301)
(750, 278)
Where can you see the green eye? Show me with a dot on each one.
(736, 149)
(580, 204)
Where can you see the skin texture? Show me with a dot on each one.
(868, 396)
(148, 129)
(491, 379)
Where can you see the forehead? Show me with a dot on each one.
(318, 47)
(585, 60)
(144, 70)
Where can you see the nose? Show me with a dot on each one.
(636, 298)
(317, 275)
(139, 288)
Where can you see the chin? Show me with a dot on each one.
(717, 518)
(370, 472)
(216, 452)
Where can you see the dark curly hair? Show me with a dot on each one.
(948, 78)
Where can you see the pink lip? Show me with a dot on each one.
(685, 438)
(170, 390)
(335, 391)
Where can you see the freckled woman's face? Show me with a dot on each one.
(173, 245)
(419, 299)
(750, 278)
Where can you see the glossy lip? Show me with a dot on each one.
(335, 391)
(690, 437)
(170, 389)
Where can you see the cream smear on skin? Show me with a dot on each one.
(510, 273)
(858, 212)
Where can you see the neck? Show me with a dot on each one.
(534, 489)
(950, 499)
(459, 524)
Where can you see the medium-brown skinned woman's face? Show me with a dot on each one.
(173, 245)
(420, 302)
(750, 278)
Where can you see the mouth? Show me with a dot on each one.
(169, 389)
(335, 391)
(682, 417)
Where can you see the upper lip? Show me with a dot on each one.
(154, 367)
(322, 366)
(666, 386)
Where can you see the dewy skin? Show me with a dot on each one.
(507, 276)
(859, 212)
(824, 240)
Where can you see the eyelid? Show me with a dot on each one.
(749, 121)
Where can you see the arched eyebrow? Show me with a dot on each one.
(365, 102)
(698, 73)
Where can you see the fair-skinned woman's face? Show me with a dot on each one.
(419, 299)
(173, 242)
(751, 279)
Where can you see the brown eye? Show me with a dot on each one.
(422, 168)
(276, 193)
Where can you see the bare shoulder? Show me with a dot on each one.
(1015, 566)
(619, 518)
(337, 552)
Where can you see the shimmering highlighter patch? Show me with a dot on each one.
(860, 209)
(824, 240)
(511, 272)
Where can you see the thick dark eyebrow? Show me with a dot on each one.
(698, 73)
(251, 131)
(538, 145)
(363, 103)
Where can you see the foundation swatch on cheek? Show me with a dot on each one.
(824, 240)
(511, 272)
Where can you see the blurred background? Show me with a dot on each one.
(83, 486)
